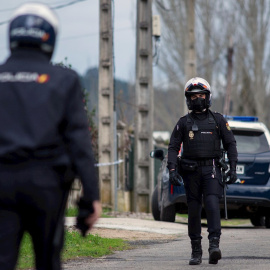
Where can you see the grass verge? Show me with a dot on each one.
(229, 222)
(73, 212)
(75, 246)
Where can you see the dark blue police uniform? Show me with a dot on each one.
(43, 133)
(201, 135)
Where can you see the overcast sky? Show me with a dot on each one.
(78, 40)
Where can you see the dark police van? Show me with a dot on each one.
(249, 197)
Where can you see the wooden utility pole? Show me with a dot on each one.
(143, 164)
(227, 103)
(190, 67)
(106, 110)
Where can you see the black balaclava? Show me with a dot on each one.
(198, 104)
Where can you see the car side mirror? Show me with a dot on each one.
(158, 153)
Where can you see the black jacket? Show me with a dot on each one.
(179, 136)
(42, 117)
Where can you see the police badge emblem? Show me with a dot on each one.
(191, 135)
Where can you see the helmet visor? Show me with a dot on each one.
(196, 88)
(196, 91)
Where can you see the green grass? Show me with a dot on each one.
(91, 245)
(75, 246)
(104, 211)
(234, 222)
(26, 258)
(229, 222)
(73, 212)
(182, 215)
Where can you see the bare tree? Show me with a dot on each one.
(253, 54)
(173, 15)
(246, 22)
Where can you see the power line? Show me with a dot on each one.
(68, 4)
(10, 9)
(56, 7)
(4, 22)
(7, 9)
(94, 33)
(86, 35)
(167, 9)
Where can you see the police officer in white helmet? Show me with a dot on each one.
(201, 132)
(44, 142)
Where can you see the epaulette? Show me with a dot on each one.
(218, 113)
(184, 116)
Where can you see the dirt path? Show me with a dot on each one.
(130, 235)
(131, 230)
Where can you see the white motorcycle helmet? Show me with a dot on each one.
(34, 26)
(197, 85)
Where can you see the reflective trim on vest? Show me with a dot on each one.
(203, 143)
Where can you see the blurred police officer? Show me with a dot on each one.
(201, 132)
(43, 134)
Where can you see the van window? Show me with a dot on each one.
(249, 141)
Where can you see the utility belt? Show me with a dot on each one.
(192, 165)
(23, 156)
(60, 165)
(205, 162)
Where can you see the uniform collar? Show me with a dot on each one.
(27, 54)
(201, 115)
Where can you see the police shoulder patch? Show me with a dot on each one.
(227, 126)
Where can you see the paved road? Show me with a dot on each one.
(242, 248)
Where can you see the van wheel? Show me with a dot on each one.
(154, 204)
(257, 221)
(168, 213)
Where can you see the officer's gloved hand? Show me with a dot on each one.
(232, 177)
(174, 178)
(232, 173)
(85, 209)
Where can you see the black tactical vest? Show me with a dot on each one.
(201, 138)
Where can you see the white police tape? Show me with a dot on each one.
(109, 163)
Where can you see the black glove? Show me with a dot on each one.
(85, 209)
(232, 175)
(175, 179)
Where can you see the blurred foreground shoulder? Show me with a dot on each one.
(65, 71)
